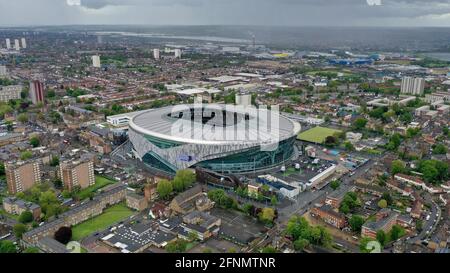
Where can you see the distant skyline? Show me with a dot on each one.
(227, 12)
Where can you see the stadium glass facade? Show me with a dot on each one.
(244, 161)
(253, 159)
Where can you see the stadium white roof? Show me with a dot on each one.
(206, 126)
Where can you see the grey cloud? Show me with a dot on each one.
(228, 12)
(390, 8)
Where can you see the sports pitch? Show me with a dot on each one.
(317, 134)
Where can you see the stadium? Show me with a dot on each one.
(221, 138)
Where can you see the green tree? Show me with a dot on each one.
(49, 203)
(396, 232)
(398, 166)
(394, 142)
(177, 246)
(58, 183)
(54, 161)
(331, 141)
(164, 188)
(66, 194)
(344, 208)
(356, 223)
(440, 149)
(26, 217)
(178, 185)
(19, 230)
(363, 245)
(429, 172)
(267, 215)
(381, 237)
(446, 131)
(349, 202)
(349, 146)
(2, 168)
(382, 204)
(25, 155)
(298, 228)
(183, 180)
(34, 141)
(359, 123)
(30, 250)
(232, 250)
(269, 250)
(335, 184)
(274, 200)
(7, 246)
(221, 198)
(23, 118)
(386, 196)
(192, 236)
(300, 244)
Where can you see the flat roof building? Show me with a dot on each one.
(22, 176)
(77, 173)
(11, 92)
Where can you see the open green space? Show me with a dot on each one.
(317, 134)
(109, 217)
(100, 182)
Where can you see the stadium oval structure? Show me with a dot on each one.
(221, 138)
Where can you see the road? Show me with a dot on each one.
(429, 226)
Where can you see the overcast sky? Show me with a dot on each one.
(227, 12)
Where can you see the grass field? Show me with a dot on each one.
(100, 182)
(109, 217)
(317, 134)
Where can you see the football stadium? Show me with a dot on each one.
(221, 138)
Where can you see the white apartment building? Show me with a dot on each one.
(11, 92)
(413, 86)
(96, 61)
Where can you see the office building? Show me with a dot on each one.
(413, 86)
(22, 176)
(24, 43)
(36, 92)
(77, 173)
(156, 54)
(8, 44)
(16, 44)
(96, 61)
(177, 53)
(11, 92)
(3, 71)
